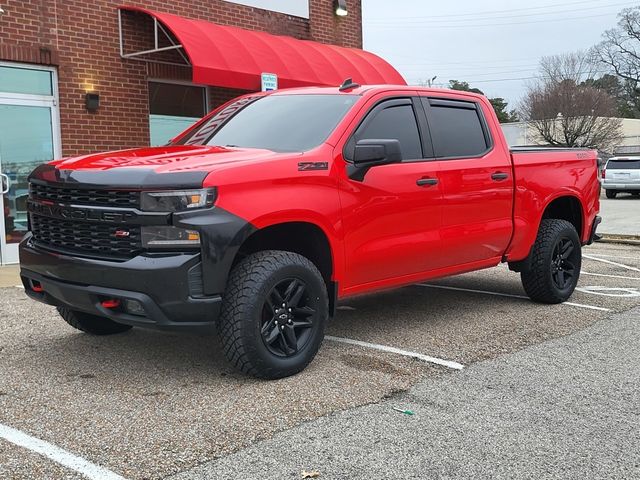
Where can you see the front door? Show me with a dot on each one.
(392, 215)
(29, 136)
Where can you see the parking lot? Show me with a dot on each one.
(148, 405)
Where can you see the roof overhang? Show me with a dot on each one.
(235, 58)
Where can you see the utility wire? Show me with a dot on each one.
(472, 82)
(395, 21)
(475, 14)
(431, 27)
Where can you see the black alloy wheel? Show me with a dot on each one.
(555, 262)
(287, 318)
(563, 263)
(274, 313)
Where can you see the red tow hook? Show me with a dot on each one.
(36, 286)
(110, 303)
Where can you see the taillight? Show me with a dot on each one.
(604, 173)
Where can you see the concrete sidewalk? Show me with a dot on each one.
(620, 216)
(567, 408)
(10, 276)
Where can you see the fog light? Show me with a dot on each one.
(134, 307)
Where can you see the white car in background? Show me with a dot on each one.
(621, 174)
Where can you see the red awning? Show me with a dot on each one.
(235, 58)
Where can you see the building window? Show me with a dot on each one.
(25, 81)
(173, 108)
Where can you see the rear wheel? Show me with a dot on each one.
(611, 193)
(274, 313)
(555, 263)
(91, 324)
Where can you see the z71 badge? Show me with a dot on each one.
(303, 166)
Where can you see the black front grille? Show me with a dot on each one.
(86, 238)
(107, 198)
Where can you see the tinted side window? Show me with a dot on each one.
(455, 131)
(396, 122)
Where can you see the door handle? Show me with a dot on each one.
(422, 182)
(5, 183)
(497, 176)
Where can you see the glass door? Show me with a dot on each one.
(29, 136)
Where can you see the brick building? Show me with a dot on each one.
(55, 52)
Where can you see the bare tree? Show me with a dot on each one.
(620, 49)
(565, 111)
(576, 66)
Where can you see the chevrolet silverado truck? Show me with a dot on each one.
(259, 218)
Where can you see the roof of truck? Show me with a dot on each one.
(369, 90)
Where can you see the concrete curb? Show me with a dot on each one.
(622, 239)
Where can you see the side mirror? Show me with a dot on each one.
(373, 152)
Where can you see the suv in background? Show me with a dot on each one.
(621, 174)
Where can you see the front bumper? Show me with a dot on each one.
(168, 286)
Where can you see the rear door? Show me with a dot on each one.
(391, 216)
(476, 181)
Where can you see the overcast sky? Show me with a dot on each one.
(495, 45)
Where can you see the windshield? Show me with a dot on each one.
(282, 123)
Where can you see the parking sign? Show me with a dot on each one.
(269, 82)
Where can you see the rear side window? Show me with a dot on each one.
(456, 128)
(394, 122)
(623, 165)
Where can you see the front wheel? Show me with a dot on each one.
(555, 263)
(273, 315)
(611, 193)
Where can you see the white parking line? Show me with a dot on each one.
(58, 455)
(591, 257)
(385, 348)
(486, 292)
(459, 289)
(613, 256)
(609, 276)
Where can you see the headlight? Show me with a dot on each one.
(176, 201)
(163, 237)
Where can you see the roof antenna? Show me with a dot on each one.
(348, 85)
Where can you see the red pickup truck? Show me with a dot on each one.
(257, 219)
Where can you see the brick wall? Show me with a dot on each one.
(81, 38)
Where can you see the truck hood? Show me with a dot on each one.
(167, 159)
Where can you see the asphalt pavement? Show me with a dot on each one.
(149, 405)
(567, 408)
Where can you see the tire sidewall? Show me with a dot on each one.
(252, 328)
(567, 232)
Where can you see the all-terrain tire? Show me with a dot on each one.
(91, 324)
(611, 193)
(242, 323)
(538, 281)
